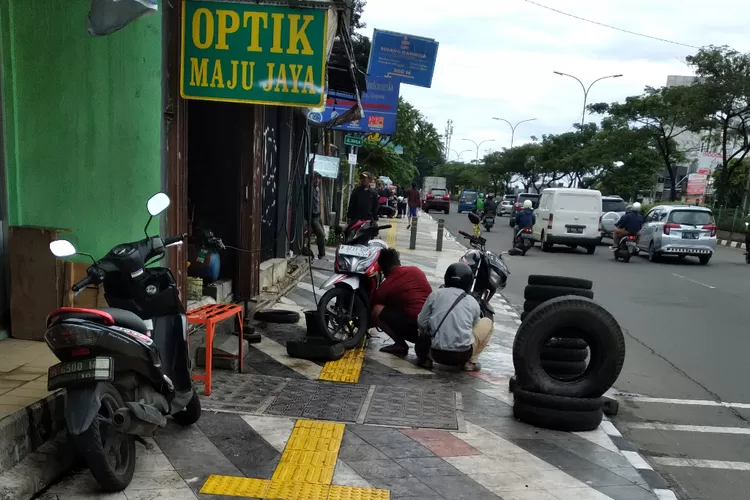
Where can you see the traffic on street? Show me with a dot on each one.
(684, 401)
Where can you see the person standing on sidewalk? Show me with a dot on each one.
(398, 300)
(451, 330)
(363, 202)
(315, 221)
(413, 200)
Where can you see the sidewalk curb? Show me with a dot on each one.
(731, 244)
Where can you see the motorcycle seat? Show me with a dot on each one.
(104, 315)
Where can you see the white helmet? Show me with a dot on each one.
(527, 204)
(636, 207)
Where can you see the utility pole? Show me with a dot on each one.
(585, 89)
(478, 145)
(448, 137)
(513, 127)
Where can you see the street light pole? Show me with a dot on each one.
(458, 155)
(585, 89)
(478, 145)
(513, 127)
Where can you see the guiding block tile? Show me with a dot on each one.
(354, 493)
(288, 490)
(235, 486)
(311, 452)
(346, 369)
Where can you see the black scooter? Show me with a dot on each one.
(125, 367)
(490, 271)
(626, 248)
(523, 240)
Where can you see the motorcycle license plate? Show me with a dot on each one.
(353, 250)
(489, 219)
(85, 370)
(526, 236)
(690, 236)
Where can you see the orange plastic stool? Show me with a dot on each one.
(209, 316)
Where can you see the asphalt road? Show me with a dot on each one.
(687, 339)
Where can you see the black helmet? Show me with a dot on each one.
(459, 275)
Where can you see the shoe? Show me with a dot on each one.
(425, 363)
(408, 227)
(471, 367)
(396, 349)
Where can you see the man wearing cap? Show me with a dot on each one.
(315, 223)
(363, 202)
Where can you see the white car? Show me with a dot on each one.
(568, 216)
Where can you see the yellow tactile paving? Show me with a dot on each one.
(310, 454)
(390, 237)
(288, 490)
(346, 369)
(235, 486)
(353, 493)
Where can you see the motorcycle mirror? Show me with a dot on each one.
(62, 248)
(474, 218)
(157, 204)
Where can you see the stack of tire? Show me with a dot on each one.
(564, 357)
(567, 353)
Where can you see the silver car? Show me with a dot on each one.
(506, 205)
(679, 230)
(612, 204)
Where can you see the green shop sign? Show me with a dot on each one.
(261, 54)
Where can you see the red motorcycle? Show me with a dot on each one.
(344, 310)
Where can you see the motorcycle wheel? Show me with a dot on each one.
(626, 258)
(109, 454)
(191, 413)
(336, 324)
(747, 257)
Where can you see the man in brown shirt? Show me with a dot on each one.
(414, 201)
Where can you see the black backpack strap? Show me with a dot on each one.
(460, 297)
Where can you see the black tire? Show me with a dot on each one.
(542, 293)
(559, 420)
(359, 311)
(570, 317)
(315, 349)
(191, 413)
(611, 407)
(512, 384)
(567, 343)
(530, 305)
(591, 249)
(626, 258)
(556, 368)
(542, 279)
(511, 222)
(653, 256)
(546, 247)
(704, 260)
(747, 256)
(281, 316)
(564, 355)
(558, 402)
(90, 445)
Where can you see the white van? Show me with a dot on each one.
(568, 216)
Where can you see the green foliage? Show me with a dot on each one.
(732, 180)
(383, 160)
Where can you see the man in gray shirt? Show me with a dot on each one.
(451, 329)
(315, 223)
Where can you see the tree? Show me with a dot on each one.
(361, 43)
(568, 155)
(663, 114)
(383, 160)
(523, 162)
(723, 107)
(420, 139)
(498, 171)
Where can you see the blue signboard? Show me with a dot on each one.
(410, 59)
(379, 105)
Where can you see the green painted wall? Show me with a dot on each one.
(82, 121)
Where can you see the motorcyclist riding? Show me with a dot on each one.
(480, 203)
(629, 224)
(526, 217)
(490, 206)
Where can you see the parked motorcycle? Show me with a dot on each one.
(524, 240)
(490, 271)
(344, 310)
(488, 220)
(124, 367)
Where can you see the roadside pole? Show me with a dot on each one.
(413, 237)
(441, 230)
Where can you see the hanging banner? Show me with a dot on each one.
(410, 59)
(249, 53)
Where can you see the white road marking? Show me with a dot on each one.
(693, 281)
(701, 464)
(689, 428)
(314, 289)
(610, 429)
(665, 494)
(695, 402)
(636, 460)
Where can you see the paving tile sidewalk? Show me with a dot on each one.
(248, 441)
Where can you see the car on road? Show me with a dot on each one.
(680, 231)
(437, 199)
(569, 216)
(518, 205)
(467, 201)
(506, 205)
(612, 204)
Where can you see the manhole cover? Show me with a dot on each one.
(426, 408)
(234, 391)
(319, 400)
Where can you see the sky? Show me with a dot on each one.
(496, 57)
